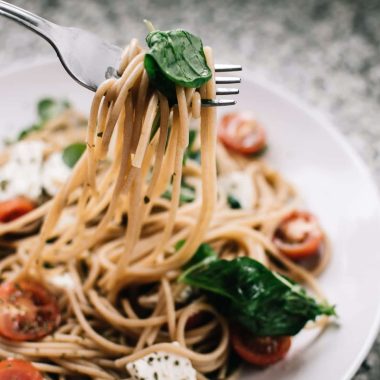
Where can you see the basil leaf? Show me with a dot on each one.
(73, 153)
(187, 193)
(49, 108)
(189, 153)
(203, 254)
(264, 302)
(27, 131)
(195, 155)
(233, 202)
(179, 244)
(192, 136)
(159, 81)
(175, 57)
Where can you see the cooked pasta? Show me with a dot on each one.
(111, 247)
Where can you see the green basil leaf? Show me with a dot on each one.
(195, 155)
(167, 194)
(179, 244)
(187, 193)
(73, 153)
(189, 150)
(27, 131)
(264, 302)
(158, 80)
(203, 254)
(192, 136)
(233, 202)
(49, 108)
(175, 57)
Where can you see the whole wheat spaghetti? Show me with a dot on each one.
(106, 246)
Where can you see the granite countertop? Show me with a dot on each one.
(325, 51)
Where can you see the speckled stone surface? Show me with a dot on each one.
(327, 52)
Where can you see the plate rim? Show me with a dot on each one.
(323, 120)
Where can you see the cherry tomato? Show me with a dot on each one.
(259, 351)
(241, 133)
(14, 208)
(27, 311)
(15, 369)
(299, 235)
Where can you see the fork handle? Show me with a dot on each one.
(33, 22)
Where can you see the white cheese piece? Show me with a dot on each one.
(162, 366)
(26, 174)
(21, 174)
(64, 281)
(239, 185)
(54, 173)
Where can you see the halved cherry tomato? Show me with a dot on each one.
(241, 133)
(27, 311)
(15, 369)
(259, 351)
(299, 235)
(14, 208)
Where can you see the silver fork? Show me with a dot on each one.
(90, 60)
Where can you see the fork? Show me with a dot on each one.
(90, 60)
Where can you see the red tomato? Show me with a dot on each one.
(27, 311)
(14, 369)
(259, 351)
(14, 208)
(299, 235)
(241, 133)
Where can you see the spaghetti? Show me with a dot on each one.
(113, 266)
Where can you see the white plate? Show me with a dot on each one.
(330, 176)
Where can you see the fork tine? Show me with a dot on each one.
(227, 91)
(223, 68)
(227, 80)
(217, 102)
